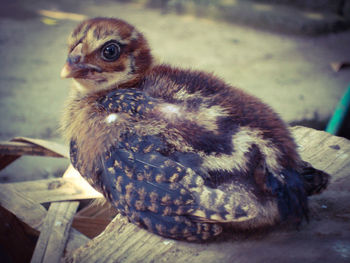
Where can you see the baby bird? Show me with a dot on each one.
(179, 152)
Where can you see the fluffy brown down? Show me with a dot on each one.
(238, 161)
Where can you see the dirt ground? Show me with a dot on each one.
(290, 73)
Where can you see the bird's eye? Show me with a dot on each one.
(110, 52)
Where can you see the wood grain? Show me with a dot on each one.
(23, 207)
(33, 214)
(55, 189)
(12, 150)
(54, 233)
(22, 148)
(91, 227)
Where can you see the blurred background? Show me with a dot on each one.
(293, 54)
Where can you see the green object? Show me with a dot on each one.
(339, 114)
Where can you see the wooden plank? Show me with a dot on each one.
(324, 151)
(55, 189)
(325, 238)
(54, 233)
(21, 148)
(11, 150)
(126, 239)
(33, 214)
(92, 210)
(98, 210)
(75, 240)
(93, 219)
(59, 149)
(91, 227)
(52, 240)
(23, 207)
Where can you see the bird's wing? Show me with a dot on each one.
(164, 196)
(144, 185)
(163, 193)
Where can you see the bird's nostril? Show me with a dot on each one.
(73, 59)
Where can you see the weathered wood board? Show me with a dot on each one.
(55, 189)
(33, 214)
(23, 207)
(24, 148)
(14, 149)
(94, 218)
(55, 231)
(23, 199)
(325, 239)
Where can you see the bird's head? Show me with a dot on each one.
(106, 53)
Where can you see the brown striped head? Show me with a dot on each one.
(106, 53)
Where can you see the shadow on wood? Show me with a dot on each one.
(16, 236)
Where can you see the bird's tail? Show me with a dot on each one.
(315, 181)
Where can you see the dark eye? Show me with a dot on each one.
(110, 52)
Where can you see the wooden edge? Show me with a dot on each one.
(71, 187)
(89, 211)
(105, 212)
(53, 147)
(23, 207)
(6, 160)
(101, 209)
(129, 243)
(56, 228)
(91, 227)
(55, 232)
(324, 151)
(23, 148)
(75, 240)
(18, 146)
(93, 219)
(33, 214)
(55, 189)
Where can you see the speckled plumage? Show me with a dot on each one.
(178, 152)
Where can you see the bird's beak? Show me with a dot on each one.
(73, 66)
(78, 70)
(67, 71)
